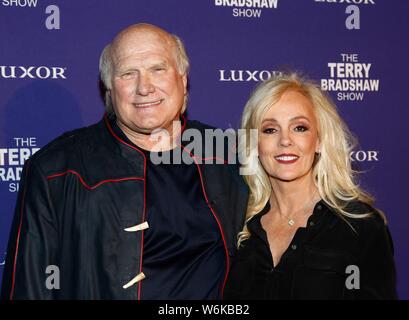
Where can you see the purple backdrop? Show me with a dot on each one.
(49, 53)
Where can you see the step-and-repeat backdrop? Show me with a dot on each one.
(357, 49)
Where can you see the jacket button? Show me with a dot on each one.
(312, 224)
(294, 246)
(319, 207)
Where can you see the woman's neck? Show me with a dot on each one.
(290, 197)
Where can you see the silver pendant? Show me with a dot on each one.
(291, 222)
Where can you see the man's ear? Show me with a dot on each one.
(107, 94)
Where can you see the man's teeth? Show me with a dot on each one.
(286, 158)
(147, 104)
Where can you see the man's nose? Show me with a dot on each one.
(144, 85)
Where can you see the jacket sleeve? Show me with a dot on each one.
(33, 241)
(378, 275)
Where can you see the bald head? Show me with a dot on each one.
(135, 35)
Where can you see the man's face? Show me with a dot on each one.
(147, 90)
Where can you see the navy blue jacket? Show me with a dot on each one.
(77, 196)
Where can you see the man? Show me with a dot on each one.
(97, 219)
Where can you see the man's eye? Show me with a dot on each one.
(300, 128)
(269, 130)
(128, 74)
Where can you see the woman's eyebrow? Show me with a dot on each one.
(292, 119)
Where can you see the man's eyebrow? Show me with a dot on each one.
(159, 64)
(122, 68)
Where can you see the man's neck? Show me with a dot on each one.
(158, 140)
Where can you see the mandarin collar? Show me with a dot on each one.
(118, 131)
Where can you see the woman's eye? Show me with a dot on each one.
(269, 130)
(300, 128)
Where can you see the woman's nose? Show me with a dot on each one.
(285, 139)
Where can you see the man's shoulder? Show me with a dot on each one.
(212, 132)
(66, 145)
(195, 124)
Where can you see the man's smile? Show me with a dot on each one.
(148, 104)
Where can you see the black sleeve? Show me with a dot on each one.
(33, 241)
(378, 274)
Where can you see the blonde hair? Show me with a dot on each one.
(332, 171)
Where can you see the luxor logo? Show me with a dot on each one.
(32, 72)
(246, 75)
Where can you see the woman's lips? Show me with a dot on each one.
(148, 104)
(286, 158)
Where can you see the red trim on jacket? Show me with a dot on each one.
(215, 217)
(144, 203)
(210, 158)
(56, 175)
(204, 193)
(13, 276)
(144, 192)
(209, 205)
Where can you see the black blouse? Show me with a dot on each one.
(325, 260)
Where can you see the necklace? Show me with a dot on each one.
(290, 218)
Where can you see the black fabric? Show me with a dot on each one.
(183, 256)
(77, 196)
(315, 263)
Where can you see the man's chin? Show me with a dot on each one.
(148, 128)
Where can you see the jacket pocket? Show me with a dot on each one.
(321, 275)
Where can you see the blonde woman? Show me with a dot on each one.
(311, 232)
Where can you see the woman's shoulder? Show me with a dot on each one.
(367, 227)
(362, 209)
(367, 219)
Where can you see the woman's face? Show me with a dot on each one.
(288, 138)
